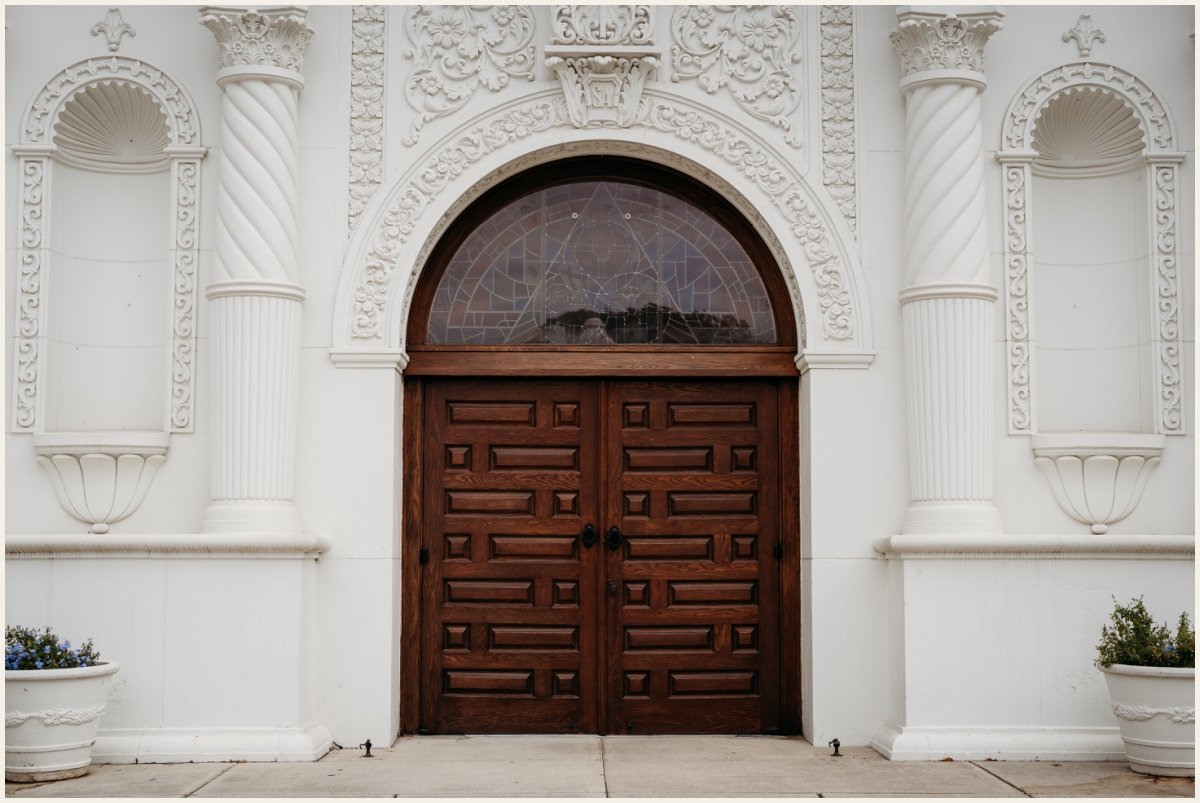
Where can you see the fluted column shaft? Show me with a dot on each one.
(947, 305)
(255, 301)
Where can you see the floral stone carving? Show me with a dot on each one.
(275, 38)
(933, 41)
(374, 286)
(1085, 35)
(366, 106)
(604, 25)
(749, 50)
(457, 49)
(113, 27)
(838, 152)
(602, 88)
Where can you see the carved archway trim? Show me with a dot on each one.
(36, 152)
(1023, 112)
(800, 224)
(1162, 164)
(37, 126)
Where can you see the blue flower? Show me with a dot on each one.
(1170, 648)
(38, 665)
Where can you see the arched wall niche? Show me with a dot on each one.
(38, 154)
(1106, 140)
(401, 225)
(105, 126)
(1110, 90)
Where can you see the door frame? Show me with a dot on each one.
(410, 504)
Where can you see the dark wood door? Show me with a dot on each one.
(693, 583)
(666, 622)
(511, 603)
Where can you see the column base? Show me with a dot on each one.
(178, 745)
(952, 517)
(999, 743)
(257, 516)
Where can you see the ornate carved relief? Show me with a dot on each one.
(603, 25)
(457, 49)
(838, 154)
(273, 38)
(29, 293)
(367, 70)
(1082, 130)
(55, 716)
(371, 296)
(1170, 389)
(112, 128)
(602, 88)
(1023, 112)
(1085, 35)
(603, 56)
(1141, 713)
(113, 27)
(933, 41)
(186, 190)
(35, 152)
(749, 50)
(1017, 159)
(178, 108)
(1016, 276)
(762, 169)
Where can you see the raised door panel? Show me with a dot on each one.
(691, 477)
(509, 625)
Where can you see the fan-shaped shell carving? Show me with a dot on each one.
(1087, 128)
(113, 126)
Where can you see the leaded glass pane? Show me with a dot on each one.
(600, 262)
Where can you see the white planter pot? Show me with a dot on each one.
(51, 718)
(1156, 711)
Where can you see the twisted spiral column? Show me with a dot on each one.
(945, 228)
(256, 299)
(257, 180)
(947, 305)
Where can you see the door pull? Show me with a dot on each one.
(612, 588)
(613, 539)
(588, 536)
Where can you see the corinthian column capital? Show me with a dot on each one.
(942, 46)
(266, 43)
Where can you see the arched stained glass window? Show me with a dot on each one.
(597, 262)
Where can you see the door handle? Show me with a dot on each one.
(613, 539)
(588, 536)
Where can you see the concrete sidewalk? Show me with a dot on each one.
(611, 766)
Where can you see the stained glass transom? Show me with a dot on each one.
(600, 262)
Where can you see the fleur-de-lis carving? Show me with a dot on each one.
(1085, 34)
(113, 26)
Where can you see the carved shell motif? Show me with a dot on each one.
(1087, 128)
(113, 126)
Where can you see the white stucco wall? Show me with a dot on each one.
(914, 643)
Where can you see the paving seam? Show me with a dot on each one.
(210, 780)
(998, 778)
(604, 766)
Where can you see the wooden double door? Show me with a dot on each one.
(600, 557)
